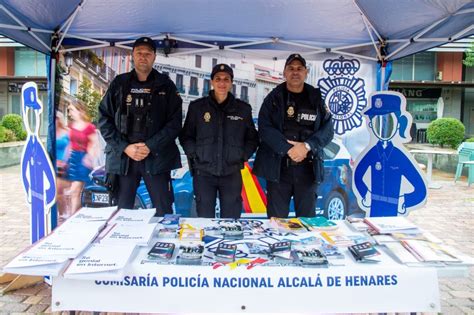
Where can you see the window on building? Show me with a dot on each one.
(234, 89)
(193, 89)
(244, 94)
(402, 69)
(214, 62)
(115, 61)
(198, 61)
(179, 83)
(29, 62)
(232, 66)
(418, 67)
(206, 87)
(73, 86)
(425, 65)
(123, 64)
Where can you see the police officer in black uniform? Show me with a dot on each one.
(218, 136)
(140, 119)
(294, 127)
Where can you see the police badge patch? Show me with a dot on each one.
(290, 112)
(207, 117)
(343, 93)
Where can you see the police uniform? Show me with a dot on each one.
(299, 117)
(149, 112)
(218, 139)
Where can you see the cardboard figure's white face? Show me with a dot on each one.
(384, 127)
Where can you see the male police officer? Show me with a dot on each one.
(294, 127)
(140, 118)
(218, 137)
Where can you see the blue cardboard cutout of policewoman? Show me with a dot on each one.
(37, 170)
(387, 179)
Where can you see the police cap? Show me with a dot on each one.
(222, 67)
(293, 57)
(145, 41)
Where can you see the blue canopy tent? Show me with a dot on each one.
(357, 27)
(370, 29)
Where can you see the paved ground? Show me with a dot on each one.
(449, 214)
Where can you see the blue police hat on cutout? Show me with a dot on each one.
(30, 98)
(382, 104)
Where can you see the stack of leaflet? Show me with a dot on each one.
(389, 225)
(170, 221)
(51, 254)
(108, 256)
(318, 223)
(429, 252)
(132, 217)
(287, 225)
(338, 239)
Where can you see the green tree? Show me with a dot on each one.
(90, 97)
(469, 61)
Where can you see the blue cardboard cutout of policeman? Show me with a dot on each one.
(37, 171)
(387, 179)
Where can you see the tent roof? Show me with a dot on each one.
(259, 27)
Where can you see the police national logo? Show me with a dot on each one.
(343, 93)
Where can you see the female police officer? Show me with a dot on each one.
(218, 136)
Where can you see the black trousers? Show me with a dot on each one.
(296, 181)
(205, 190)
(159, 187)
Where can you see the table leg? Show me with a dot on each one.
(429, 173)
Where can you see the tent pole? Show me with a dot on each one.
(193, 42)
(28, 29)
(423, 32)
(85, 47)
(265, 41)
(71, 16)
(464, 11)
(70, 20)
(93, 40)
(464, 31)
(353, 55)
(299, 45)
(195, 51)
(398, 49)
(160, 37)
(353, 46)
(372, 38)
(368, 21)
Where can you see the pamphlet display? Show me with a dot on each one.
(132, 261)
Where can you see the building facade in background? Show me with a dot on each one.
(192, 76)
(437, 84)
(18, 65)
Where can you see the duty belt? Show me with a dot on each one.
(289, 162)
(385, 199)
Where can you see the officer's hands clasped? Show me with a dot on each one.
(298, 152)
(137, 151)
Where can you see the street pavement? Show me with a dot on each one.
(448, 214)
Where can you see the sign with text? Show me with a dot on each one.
(163, 288)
